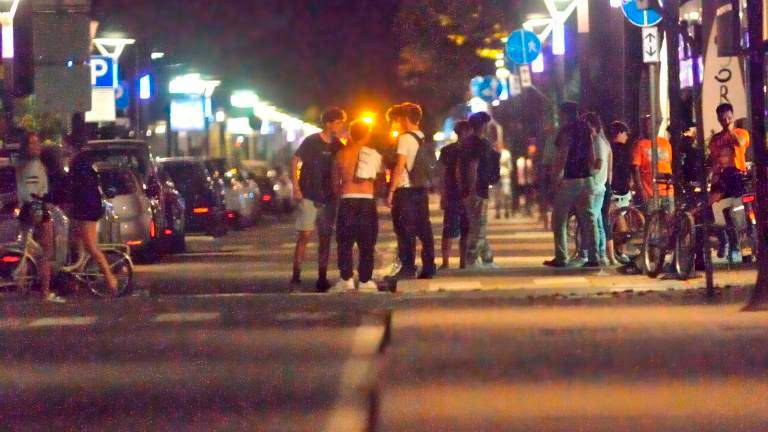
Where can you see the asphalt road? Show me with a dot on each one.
(215, 340)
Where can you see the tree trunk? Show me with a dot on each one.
(756, 62)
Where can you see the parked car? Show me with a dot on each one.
(205, 208)
(276, 195)
(9, 226)
(242, 197)
(167, 204)
(131, 208)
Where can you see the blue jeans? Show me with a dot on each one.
(597, 249)
(574, 194)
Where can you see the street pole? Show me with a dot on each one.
(756, 65)
(653, 134)
(672, 25)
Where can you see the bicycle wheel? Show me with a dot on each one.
(574, 236)
(121, 266)
(655, 244)
(685, 246)
(25, 276)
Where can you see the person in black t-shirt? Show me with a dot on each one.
(455, 223)
(312, 168)
(620, 183)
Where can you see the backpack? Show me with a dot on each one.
(424, 164)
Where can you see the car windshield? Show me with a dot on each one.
(188, 177)
(117, 182)
(133, 159)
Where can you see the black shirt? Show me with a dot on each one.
(622, 168)
(316, 167)
(85, 192)
(476, 149)
(579, 141)
(449, 157)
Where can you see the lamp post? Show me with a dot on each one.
(7, 14)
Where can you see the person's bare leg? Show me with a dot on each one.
(46, 243)
(302, 239)
(88, 236)
(611, 252)
(446, 246)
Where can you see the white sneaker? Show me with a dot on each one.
(53, 298)
(369, 287)
(342, 286)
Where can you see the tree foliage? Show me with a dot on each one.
(439, 40)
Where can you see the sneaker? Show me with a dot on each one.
(342, 286)
(369, 287)
(623, 259)
(404, 274)
(490, 265)
(322, 285)
(53, 298)
(555, 263)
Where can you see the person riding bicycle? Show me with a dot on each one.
(87, 210)
(31, 188)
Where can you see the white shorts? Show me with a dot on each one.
(314, 215)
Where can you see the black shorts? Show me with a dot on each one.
(455, 222)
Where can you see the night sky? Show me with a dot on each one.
(296, 53)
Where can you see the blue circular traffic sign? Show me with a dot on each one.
(640, 18)
(523, 46)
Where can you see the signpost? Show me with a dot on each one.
(525, 76)
(523, 46)
(103, 85)
(650, 44)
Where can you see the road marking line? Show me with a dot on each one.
(187, 317)
(350, 411)
(561, 280)
(63, 321)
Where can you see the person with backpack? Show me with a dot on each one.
(479, 168)
(409, 192)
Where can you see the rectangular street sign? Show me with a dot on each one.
(525, 76)
(651, 45)
(103, 72)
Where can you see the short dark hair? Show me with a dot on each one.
(617, 127)
(332, 114)
(479, 120)
(359, 130)
(724, 108)
(462, 127)
(593, 120)
(408, 110)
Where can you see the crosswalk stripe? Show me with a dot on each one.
(561, 280)
(63, 321)
(187, 317)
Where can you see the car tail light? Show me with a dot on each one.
(231, 215)
(168, 231)
(266, 198)
(133, 242)
(152, 230)
(10, 259)
(748, 198)
(201, 210)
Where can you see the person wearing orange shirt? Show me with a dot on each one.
(642, 167)
(728, 148)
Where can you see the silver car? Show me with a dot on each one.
(129, 206)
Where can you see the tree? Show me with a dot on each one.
(439, 45)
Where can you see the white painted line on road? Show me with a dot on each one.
(565, 280)
(437, 285)
(63, 321)
(350, 412)
(187, 317)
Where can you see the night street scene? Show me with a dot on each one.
(383, 215)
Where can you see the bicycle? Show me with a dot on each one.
(26, 253)
(628, 226)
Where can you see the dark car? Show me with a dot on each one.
(167, 205)
(205, 209)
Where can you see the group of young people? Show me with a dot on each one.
(335, 184)
(595, 167)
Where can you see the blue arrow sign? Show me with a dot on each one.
(640, 18)
(523, 46)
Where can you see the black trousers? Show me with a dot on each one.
(358, 223)
(410, 216)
